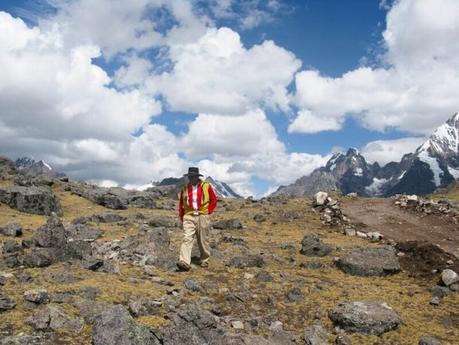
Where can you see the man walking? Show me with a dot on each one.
(197, 201)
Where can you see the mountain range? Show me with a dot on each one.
(434, 164)
(221, 188)
(29, 166)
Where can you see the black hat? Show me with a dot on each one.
(193, 171)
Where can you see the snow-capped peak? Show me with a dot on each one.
(444, 141)
(46, 164)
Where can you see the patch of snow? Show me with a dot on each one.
(333, 166)
(401, 176)
(433, 164)
(47, 165)
(454, 172)
(358, 172)
(375, 187)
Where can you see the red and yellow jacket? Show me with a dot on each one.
(207, 200)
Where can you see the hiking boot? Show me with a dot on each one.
(183, 266)
(204, 263)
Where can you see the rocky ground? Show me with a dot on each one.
(86, 266)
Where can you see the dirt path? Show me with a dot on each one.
(383, 216)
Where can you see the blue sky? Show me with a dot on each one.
(256, 93)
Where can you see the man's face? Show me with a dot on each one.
(193, 179)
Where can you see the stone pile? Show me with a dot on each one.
(330, 211)
(428, 206)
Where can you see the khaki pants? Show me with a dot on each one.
(195, 228)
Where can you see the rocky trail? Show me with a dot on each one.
(81, 265)
(384, 216)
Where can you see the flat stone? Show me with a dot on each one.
(365, 317)
(370, 262)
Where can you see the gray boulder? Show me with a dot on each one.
(36, 200)
(6, 303)
(55, 318)
(312, 245)
(449, 277)
(316, 335)
(144, 306)
(83, 232)
(37, 296)
(228, 224)
(365, 317)
(246, 261)
(36, 339)
(370, 262)
(108, 217)
(114, 326)
(193, 326)
(11, 229)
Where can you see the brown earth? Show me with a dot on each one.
(382, 215)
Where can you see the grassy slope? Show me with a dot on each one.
(322, 288)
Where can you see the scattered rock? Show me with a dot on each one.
(435, 301)
(108, 217)
(35, 200)
(312, 265)
(237, 325)
(37, 296)
(365, 317)
(428, 340)
(320, 198)
(259, 218)
(114, 326)
(374, 236)
(55, 318)
(312, 245)
(315, 335)
(36, 339)
(228, 224)
(6, 303)
(246, 261)
(294, 295)
(449, 277)
(193, 285)
(440, 291)
(264, 276)
(343, 340)
(370, 262)
(143, 306)
(11, 229)
(350, 232)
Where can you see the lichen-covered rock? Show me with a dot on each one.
(316, 335)
(114, 326)
(38, 296)
(228, 224)
(6, 303)
(370, 262)
(365, 317)
(11, 229)
(55, 318)
(36, 200)
(312, 245)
